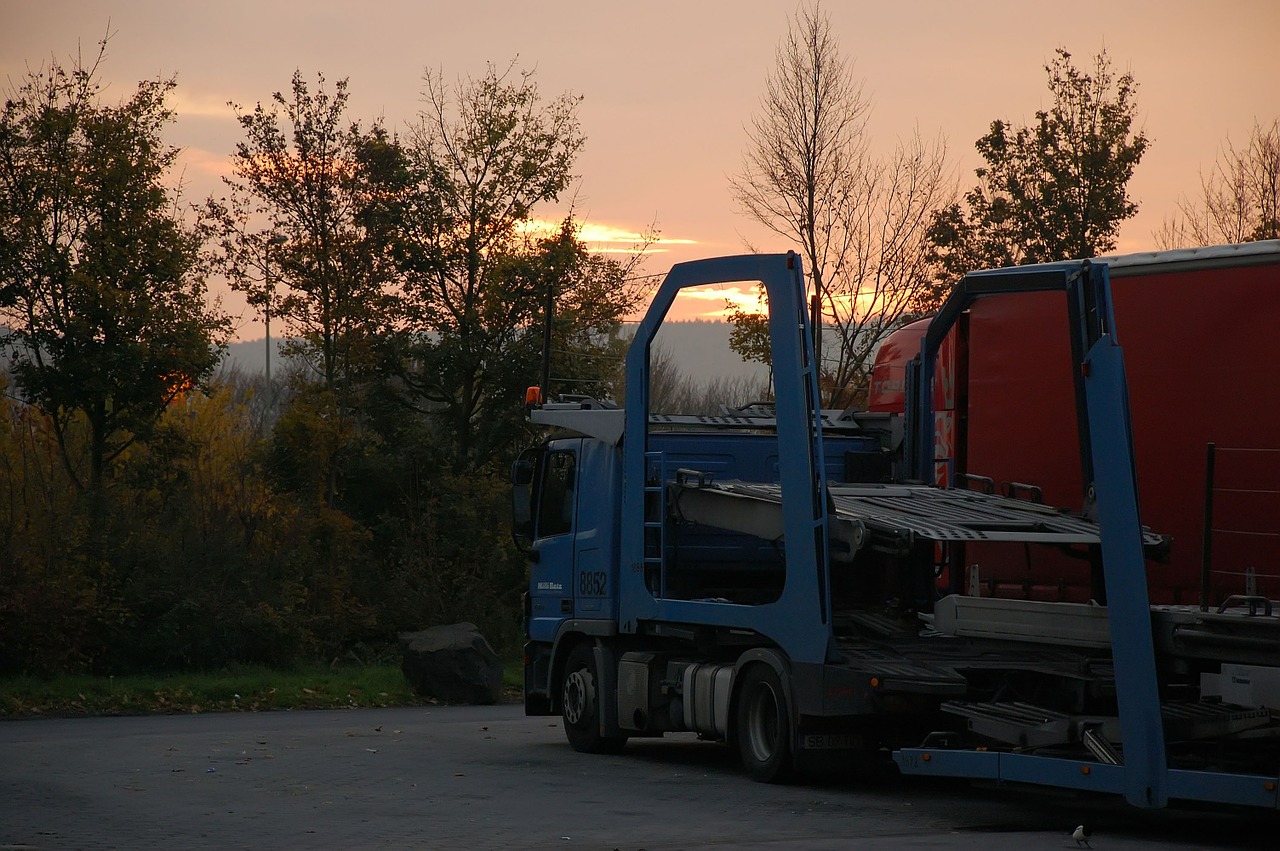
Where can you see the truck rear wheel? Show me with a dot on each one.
(764, 729)
(580, 705)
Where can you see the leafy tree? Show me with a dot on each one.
(749, 335)
(1239, 198)
(305, 231)
(808, 175)
(590, 294)
(101, 282)
(487, 151)
(46, 596)
(1054, 190)
(449, 558)
(211, 564)
(308, 233)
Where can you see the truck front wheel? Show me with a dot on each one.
(580, 705)
(764, 729)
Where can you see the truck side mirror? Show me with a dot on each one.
(522, 469)
(522, 473)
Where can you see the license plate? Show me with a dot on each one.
(831, 741)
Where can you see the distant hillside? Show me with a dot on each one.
(249, 356)
(701, 348)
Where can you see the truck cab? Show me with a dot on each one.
(568, 504)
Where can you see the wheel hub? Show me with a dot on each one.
(579, 692)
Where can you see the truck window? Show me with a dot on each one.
(555, 504)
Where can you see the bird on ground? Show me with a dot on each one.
(1081, 836)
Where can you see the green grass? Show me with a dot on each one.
(246, 689)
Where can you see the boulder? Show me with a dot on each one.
(453, 664)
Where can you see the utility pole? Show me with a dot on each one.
(278, 239)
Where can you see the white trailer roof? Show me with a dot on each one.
(1208, 257)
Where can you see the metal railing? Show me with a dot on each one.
(1214, 487)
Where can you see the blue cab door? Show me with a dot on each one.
(551, 588)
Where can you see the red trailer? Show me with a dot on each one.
(1199, 332)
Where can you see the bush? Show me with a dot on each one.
(192, 556)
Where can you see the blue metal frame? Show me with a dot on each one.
(800, 620)
(1144, 778)
(1182, 785)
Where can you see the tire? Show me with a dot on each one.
(764, 731)
(580, 705)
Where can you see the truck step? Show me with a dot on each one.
(1207, 720)
(922, 665)
(1064, 624)
(1028, 726)
(873, 624)
(900, 676)
(1100, 746)
(890, 517)
(1021, 724)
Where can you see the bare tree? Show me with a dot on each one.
(861, 220)
(1239, 198)
(672, 391)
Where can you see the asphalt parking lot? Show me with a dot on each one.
(488, 777)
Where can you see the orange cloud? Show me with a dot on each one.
(194, 104)
(715, 301)
(205, 162)
(608, 239)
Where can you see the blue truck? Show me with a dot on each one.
(786, 580)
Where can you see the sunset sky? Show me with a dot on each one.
(668, 87)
